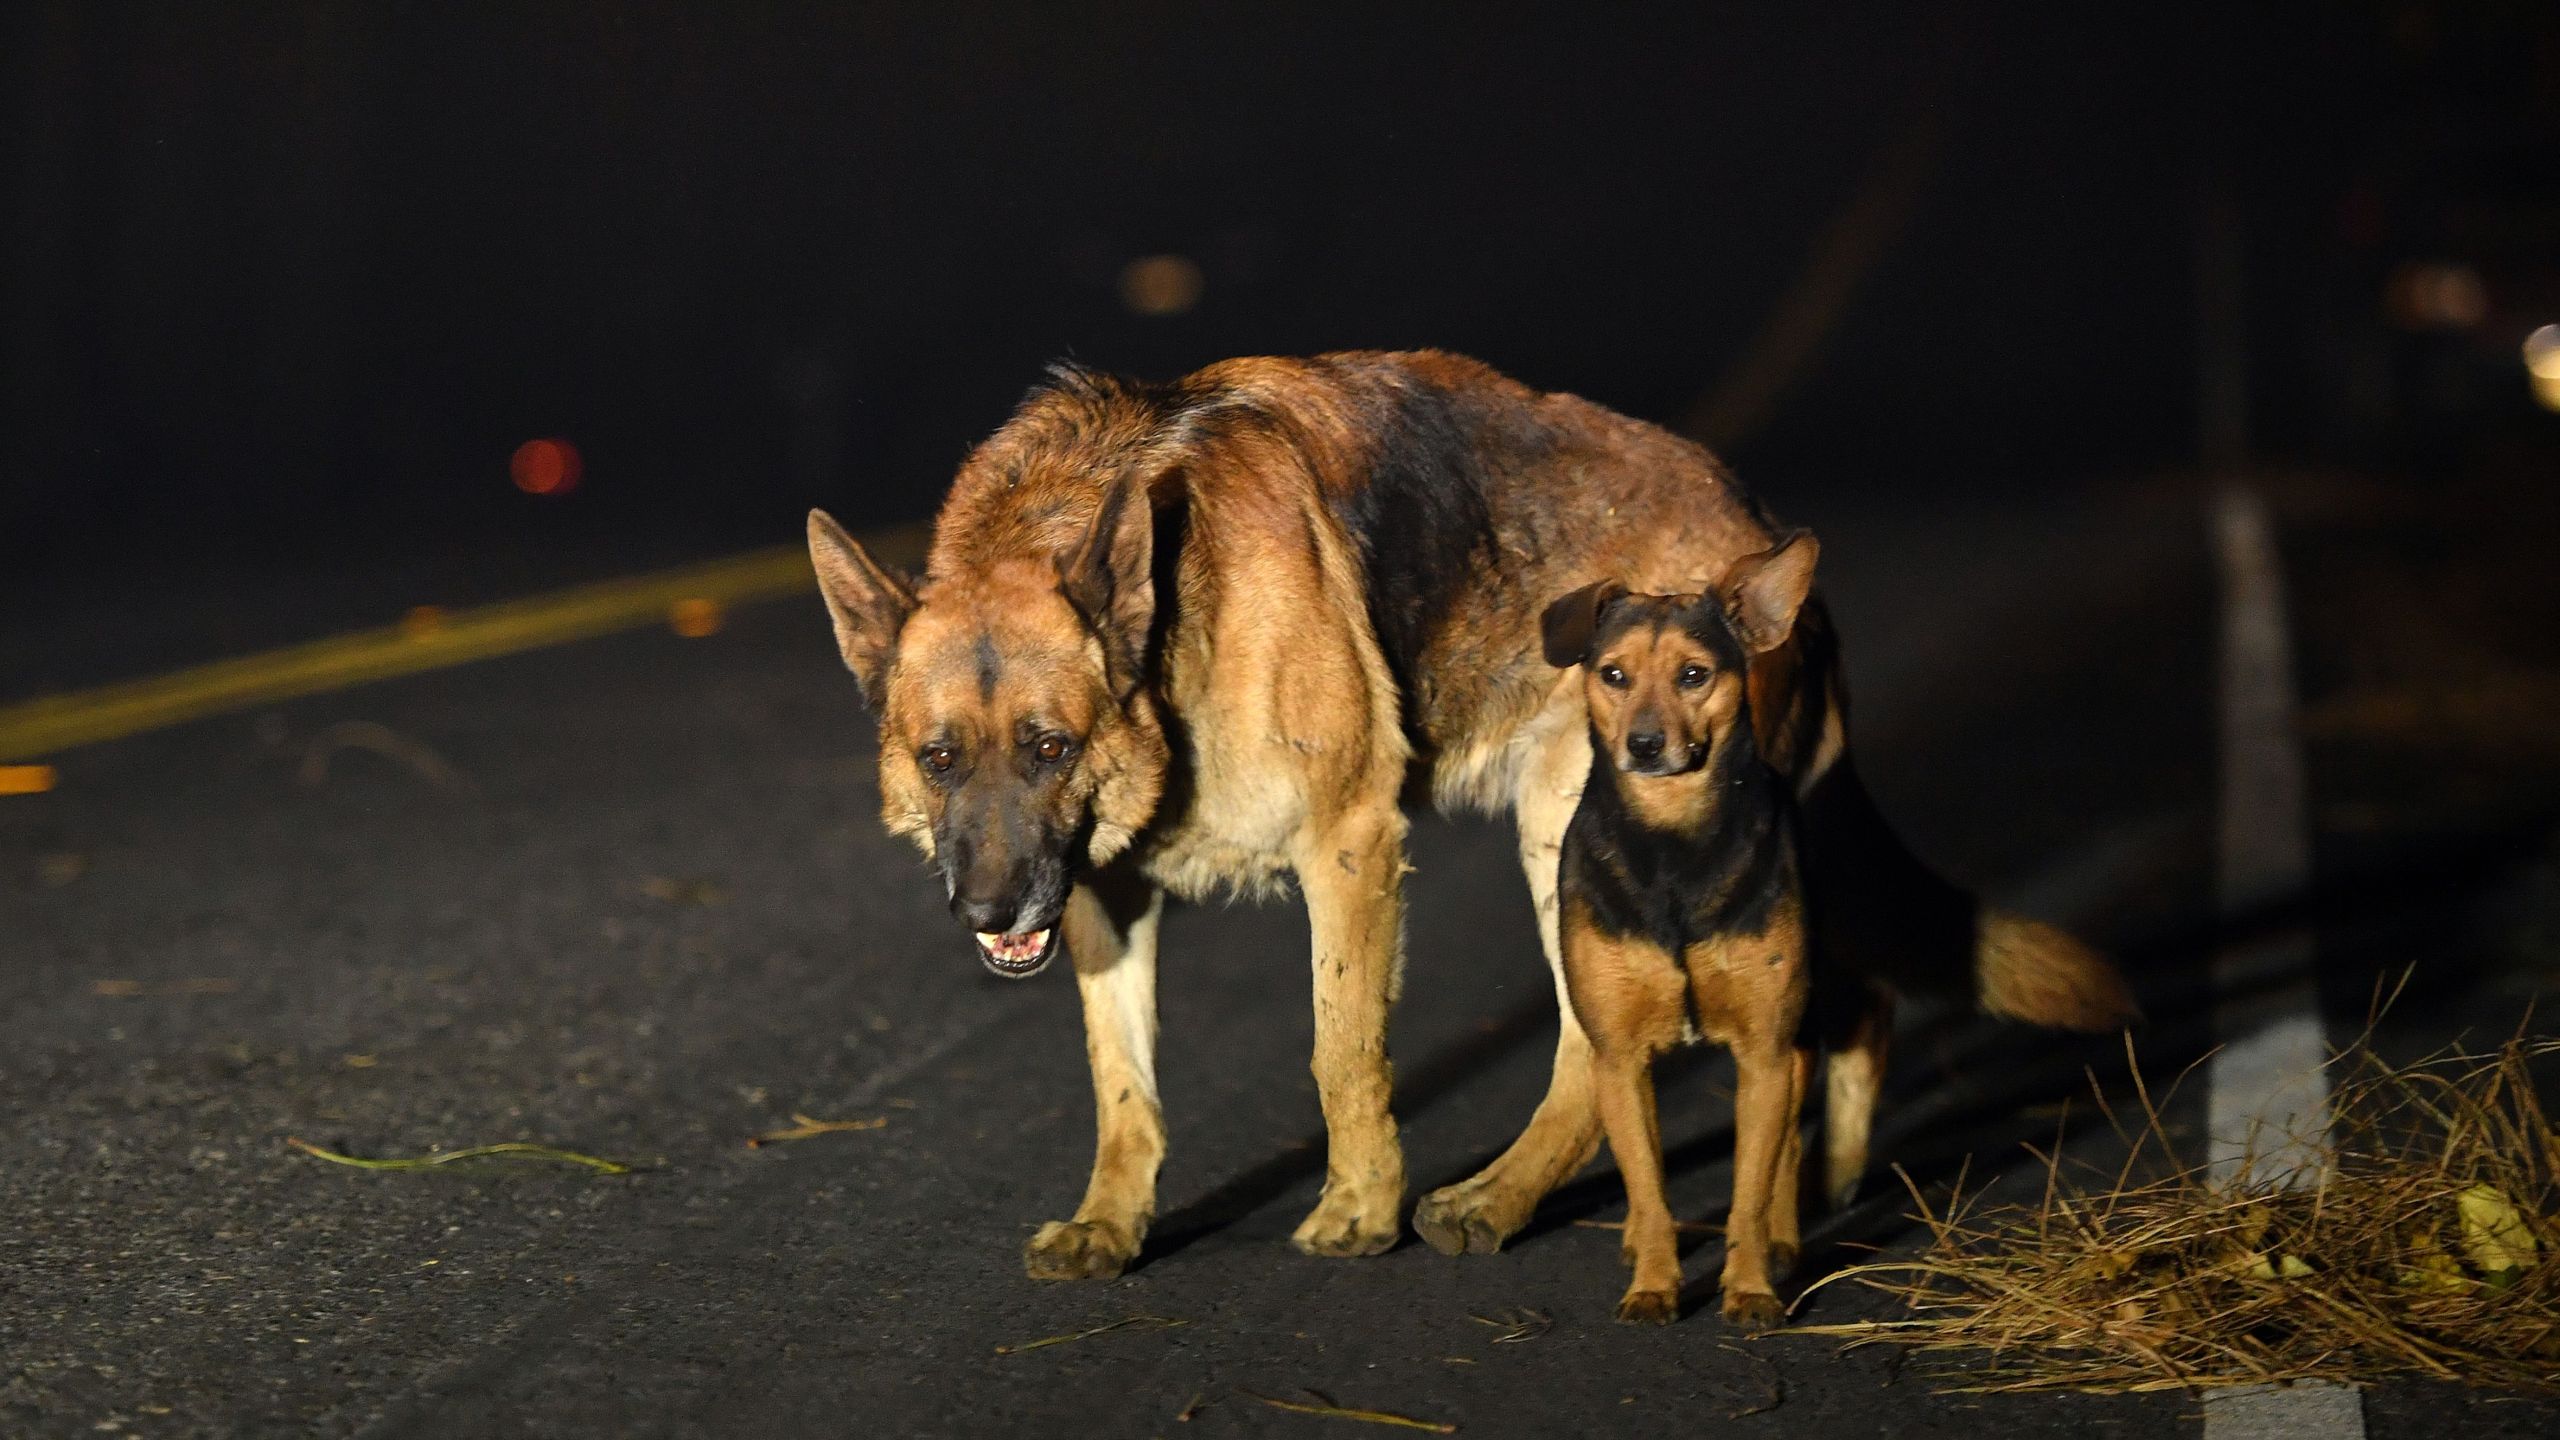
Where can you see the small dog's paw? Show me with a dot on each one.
(1753, 1311)
(1455, 1221)
(1077, 1250)
(1342, 1225)
(1649, 1307)
(1782, 1257)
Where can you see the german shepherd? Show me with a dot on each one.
(1683, 898)
(1194, 636)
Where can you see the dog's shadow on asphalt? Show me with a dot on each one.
(1988, 1091)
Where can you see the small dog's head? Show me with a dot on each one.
(1664, 676)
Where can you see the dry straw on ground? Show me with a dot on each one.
(2424, 1246)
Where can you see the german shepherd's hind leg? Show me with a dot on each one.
(1764, 1076)
(1352, 875)
(1852, 1080)
(1622, 1078)
(1111, 937)
(1478, 1214)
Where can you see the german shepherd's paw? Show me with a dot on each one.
(1649, 1307)
(1753, 1312)
(1462, 1220)
(1078, 1250)
(1345, 1224)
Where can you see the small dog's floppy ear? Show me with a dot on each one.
(868, 604)
(1763, 592)
(1109, 576)
(1571, 620)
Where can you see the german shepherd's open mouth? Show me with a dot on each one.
(1018, 957)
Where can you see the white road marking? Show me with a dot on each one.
(2268, 1086)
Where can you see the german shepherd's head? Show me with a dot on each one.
(1016, 740)
(1666, 677)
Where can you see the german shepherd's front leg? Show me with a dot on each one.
(1111, 937)
(1352, 874)
(1478, 1214)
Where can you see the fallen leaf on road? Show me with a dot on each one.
(2494, 1236)
(802, 1128)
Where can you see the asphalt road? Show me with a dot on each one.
(631, 897)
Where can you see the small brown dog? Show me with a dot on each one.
(1683, 905)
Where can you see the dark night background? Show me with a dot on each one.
(291, 282)
(1999, 298)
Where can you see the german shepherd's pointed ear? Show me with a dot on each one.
(1571, 620)
(1109, 576)
(868, 604)
(1763, 592)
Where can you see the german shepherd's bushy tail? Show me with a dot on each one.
(1881, 913)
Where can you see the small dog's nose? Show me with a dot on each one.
(1645, 746)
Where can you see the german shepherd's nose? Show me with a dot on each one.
(1645, 746)
(986, 915)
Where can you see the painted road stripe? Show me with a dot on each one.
(2267, 1083)
(51, 724)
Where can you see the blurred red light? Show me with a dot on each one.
(546, 467)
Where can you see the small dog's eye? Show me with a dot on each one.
(1050, 748)
(1612, 676)
(1693, 676)
(940, 758)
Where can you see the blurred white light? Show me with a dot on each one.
(2542, 362)
(2542, 353)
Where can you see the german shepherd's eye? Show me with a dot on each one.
(1052, 748)
(1692, 676)
(939, 758)
(1613, 677)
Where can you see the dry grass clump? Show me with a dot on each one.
(2420, 1243)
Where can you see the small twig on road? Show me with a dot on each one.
(684, 892)
(802, 1128)
(1777, 1386)
(1338, 1412)
(134, 989)
(511, 1151)
(1198, 1403)
(420, 758)
(1517, 1325)
(1694, 1227)
(1152, 1322)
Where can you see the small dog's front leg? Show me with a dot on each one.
(1622, 1079)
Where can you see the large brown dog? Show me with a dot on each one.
(1194, 636)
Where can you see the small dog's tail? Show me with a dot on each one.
(1878, 911)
